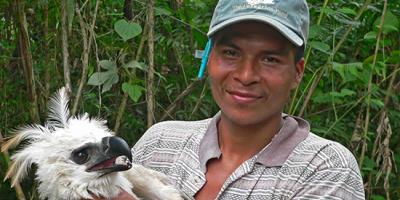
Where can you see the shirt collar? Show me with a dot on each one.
(293, 131)
(209, 147)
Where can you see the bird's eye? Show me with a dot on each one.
(80, 157)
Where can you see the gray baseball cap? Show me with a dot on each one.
(289, 17)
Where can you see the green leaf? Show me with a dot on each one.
(344, 92)
(98, 78)
(108, 65)
(370, 35)
(126, 29)
(348, 71)
(377, 103)
(377, 197)
(390, 24)
(162, 11)
(134, 91)
(320, 46)
(133, 64)
(328, 11)
(394, 57)
(368, 164)
(106, 79)
(321, 97)
(347, 92)
(111, 80)
(348, 11)
(315, 31)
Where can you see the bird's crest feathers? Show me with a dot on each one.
(23, 159)
(58, 110)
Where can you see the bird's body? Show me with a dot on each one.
(78, 157)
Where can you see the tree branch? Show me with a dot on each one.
(150, 73)
(64, 35)
(184, 93)
(27, 63)
(87, 43)
(369, 90)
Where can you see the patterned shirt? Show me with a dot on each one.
(296, 164)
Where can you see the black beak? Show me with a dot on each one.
(116, 146)
(114, 155)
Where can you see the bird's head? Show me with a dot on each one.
(71, 153)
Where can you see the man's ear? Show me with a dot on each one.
(299, 73)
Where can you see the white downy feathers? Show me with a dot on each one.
(50, 147)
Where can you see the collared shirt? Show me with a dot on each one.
(296, 164)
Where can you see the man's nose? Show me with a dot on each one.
(247, 72)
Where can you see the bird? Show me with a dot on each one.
(78, 157)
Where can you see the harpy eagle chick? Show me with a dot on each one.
(78, 157)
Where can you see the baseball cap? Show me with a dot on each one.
(289, 17)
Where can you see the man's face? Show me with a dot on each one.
(252, 71)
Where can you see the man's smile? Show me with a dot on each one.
(242, 96)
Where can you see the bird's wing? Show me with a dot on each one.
(150, 184)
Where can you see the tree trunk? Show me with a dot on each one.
(26, 59)
(64, 35)
(150, 74)
(47, 65)
(128, 12)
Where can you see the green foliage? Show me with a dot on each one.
(107, 78)
(340, 67)
(134, 91)
(126, 29)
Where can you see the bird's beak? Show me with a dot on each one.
(114, 155)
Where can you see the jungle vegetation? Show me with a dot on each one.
(133, 63)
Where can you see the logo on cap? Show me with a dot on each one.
(255, 2)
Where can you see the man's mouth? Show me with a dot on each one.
(243, 97)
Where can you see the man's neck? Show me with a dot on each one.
(240, 142)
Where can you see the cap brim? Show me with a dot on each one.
(284, 30)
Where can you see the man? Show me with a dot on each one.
(250, 149)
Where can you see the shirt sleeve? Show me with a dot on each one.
(335, 183)
(141, 151)
(338, 177)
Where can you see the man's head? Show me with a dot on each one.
(256, 58)
(289, 17)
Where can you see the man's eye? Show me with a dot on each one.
(230, 53)
(270, 60)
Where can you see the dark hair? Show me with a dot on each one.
(299, 53)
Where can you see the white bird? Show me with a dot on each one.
(78, 157)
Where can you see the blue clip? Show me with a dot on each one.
(204, 59)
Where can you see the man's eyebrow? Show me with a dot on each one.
(280, 52)
(226, 40)
(228, 43)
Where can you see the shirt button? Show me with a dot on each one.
(197, 179)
